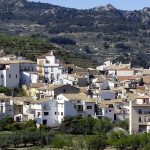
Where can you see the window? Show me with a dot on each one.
(16, 75)
(89, 107)
(62, 113)
(109, 110)
(46, 113)
(55, 113)
(64, 90)
(9, 75)
(47, 61)
(78, 101)
(52, 69)
(44, 122)
(140, 111)
(1, 76)
(52, 76)
(58, 74)
(145, 119)
(89, 115)
(20, 109)
(39, 114)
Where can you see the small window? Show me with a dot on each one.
(64, 90)
(1, 76)
(39, 114)
(140, 111)
(62, 113)
(9, 75)
(44, 122)
(16, 76)
(109, 110)
(78, 101)
(89, 107)
(55, 113)
(46, 113)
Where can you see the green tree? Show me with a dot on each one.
(122, 123)
(114, 136)
(96, 142)
(103, 126)
(4, 141)
(5, 90)
(6, 122)
(29, 125)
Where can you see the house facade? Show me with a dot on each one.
(48, 68)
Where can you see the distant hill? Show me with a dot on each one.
(105, 32)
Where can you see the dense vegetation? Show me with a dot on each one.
(24, 46)
(73, 133)
(31, 47)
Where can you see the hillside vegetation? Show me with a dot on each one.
(106, 32)
(31, 47)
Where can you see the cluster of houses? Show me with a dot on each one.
(55, 90)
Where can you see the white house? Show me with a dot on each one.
(105, 64)
(84, 105)
(6, 106)
(54, 111)
(139, 118)
(125, 72)
(9, 74)
(27, 77)
(21, 106)
(49, 68)
(74, 79)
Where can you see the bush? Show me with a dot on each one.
(96, 142)
(5, 90)
(59, 142)
(62, 40)
(6, 122)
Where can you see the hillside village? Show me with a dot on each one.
(55, 90)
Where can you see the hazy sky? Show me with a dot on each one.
(84, 4)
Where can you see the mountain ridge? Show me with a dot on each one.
(103, 32)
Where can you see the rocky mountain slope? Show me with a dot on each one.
(105, 32)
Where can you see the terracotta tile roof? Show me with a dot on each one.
(4, 97)
(37, 85)
(5, 62)
(49, 87)
(125, 69)
(146, 78)
(123, 78)
(106, 103)
(78, 96)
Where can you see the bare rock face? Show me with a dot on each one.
(108, 7)
(12, 3)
